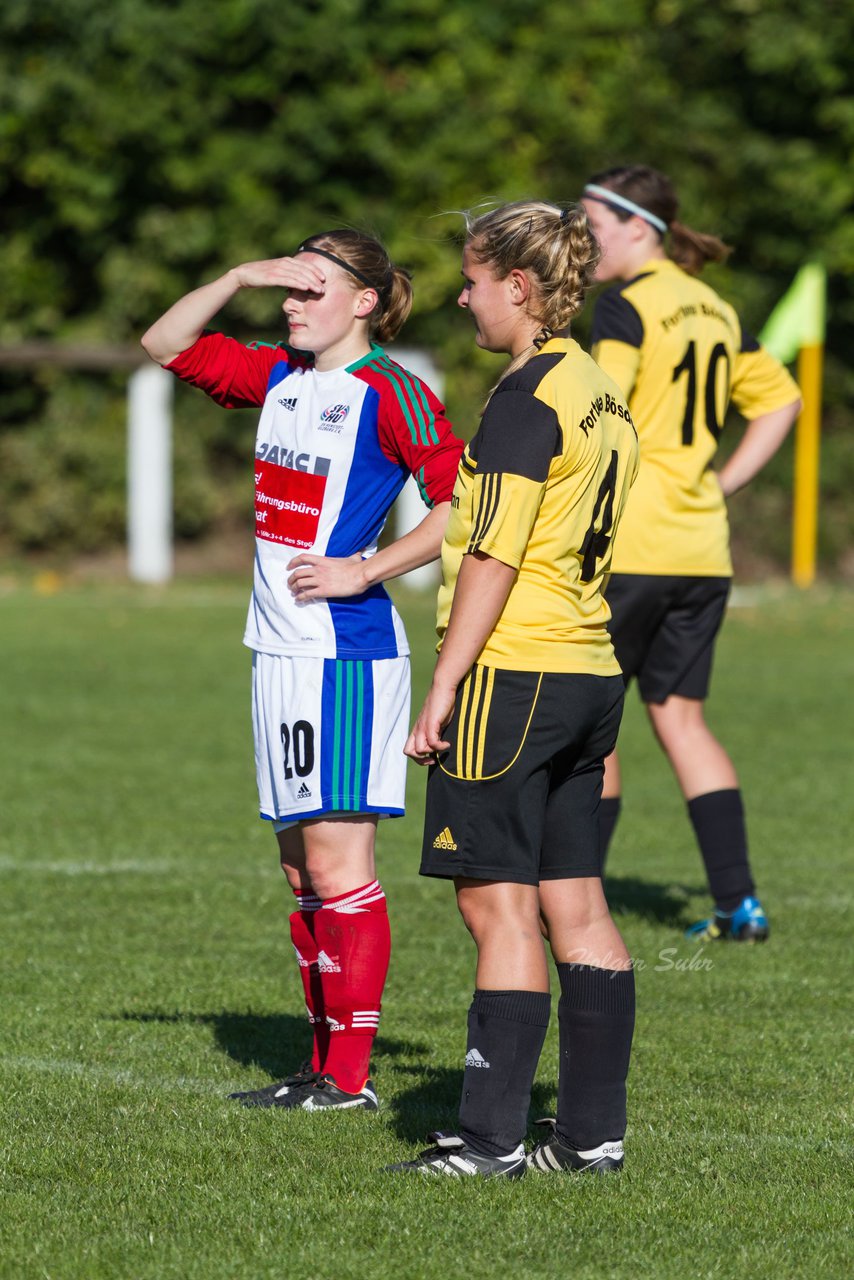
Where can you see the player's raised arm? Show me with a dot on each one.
(182, 325)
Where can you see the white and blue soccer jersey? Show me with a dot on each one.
(333, 451)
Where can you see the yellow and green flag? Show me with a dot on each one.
(797, 321)
(796, 329)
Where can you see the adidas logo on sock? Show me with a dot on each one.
(333, 1025)
(475, 1059)
(444, 840)
(303, 793)
(327, 965)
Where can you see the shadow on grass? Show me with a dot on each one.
(433, 1100)
(660, 903)
(275, 1043)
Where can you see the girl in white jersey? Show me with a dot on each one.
(341, 429)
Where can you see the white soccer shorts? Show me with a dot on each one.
(329, 736)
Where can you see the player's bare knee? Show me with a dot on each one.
(488, 915)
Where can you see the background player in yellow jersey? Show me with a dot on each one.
(680, 355)
(524, 705)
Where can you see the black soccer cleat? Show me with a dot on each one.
(451, 1156)
(325, 1095)
(551, 1156)
(288, 1093)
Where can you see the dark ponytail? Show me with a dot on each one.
(653, 191)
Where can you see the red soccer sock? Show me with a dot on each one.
(353, 948)
(305, 946)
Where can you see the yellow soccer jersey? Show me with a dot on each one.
(679, 355)
(541, 487)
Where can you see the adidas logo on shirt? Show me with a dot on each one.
(289, 402)
(444, 840)
(304, 793)
(474, 1058)
(326, 965)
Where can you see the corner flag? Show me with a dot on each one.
(798, 319)
(796, 328)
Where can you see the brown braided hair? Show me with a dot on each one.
(555, 247)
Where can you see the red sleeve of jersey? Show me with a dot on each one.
(233, 375)
(413, 430)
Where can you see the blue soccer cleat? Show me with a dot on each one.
(747, 923)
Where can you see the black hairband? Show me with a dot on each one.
(339, 262)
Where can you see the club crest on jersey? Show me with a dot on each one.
(333, 416)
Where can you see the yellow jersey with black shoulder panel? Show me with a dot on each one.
(679, 354)
(541, 487)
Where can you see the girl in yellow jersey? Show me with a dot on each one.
(525, 704)
(680, 356)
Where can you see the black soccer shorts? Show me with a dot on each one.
(663, 629)
(517, 795)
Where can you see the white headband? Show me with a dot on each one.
(607, 196)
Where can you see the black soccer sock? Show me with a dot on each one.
(597, 1019)
(506, 1031)
(609, 812)
(718, 821)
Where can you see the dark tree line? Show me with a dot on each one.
(148, 146)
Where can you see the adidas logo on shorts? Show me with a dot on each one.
(474, 1058)
(444, 840)
(303, 793)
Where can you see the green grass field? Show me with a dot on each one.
(147, 972)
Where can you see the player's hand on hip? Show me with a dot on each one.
(326, 577)
(282, 273)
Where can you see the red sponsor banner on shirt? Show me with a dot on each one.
(287, 504)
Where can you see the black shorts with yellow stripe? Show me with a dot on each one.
(517, 795)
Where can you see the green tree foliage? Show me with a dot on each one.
(146, 147)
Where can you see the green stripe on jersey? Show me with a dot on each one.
(347, 728)
(415, 410)
(347, 744)
(422, 487)
(357, 728)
